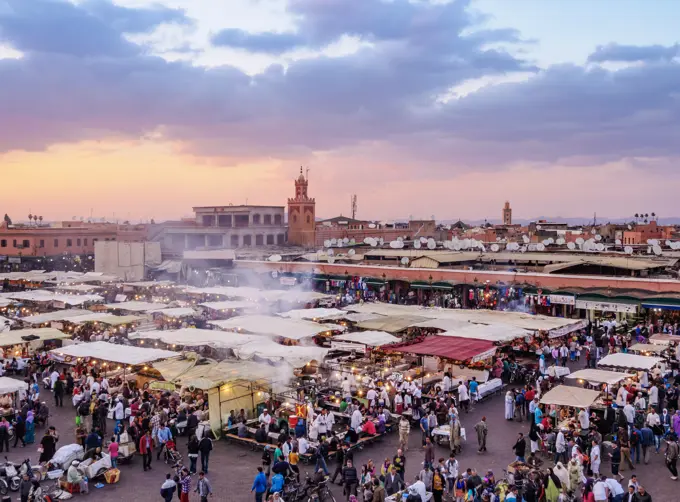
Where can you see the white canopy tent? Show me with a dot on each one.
(648, 348)
(255, 294)
(594, 376)
(493, 333)
(123, 354)
(629, 361)
(313, 314)
(175, 312)
(230, 305)
(369, 338)
(59, 315)
(42, 296)
(136, 306)
(104, 318)
(271, 326)
(564, 395)
(10, 385)
(10, 338)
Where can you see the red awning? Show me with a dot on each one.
(449, 347)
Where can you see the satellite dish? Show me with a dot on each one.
(400, 239)
(523, 249)
(551, 240)
(327, 243)
(331, 252)
(530, 247)
(275, 257)
(630, 227)
(598, 237)
(352, 241)
(540, 247)
(404, 261)
(331, 260)
(593, 231)
(394, 244)
(334, 242)
(351, 252)
(546, 242)
(580, 241)
(600, 246)
(371, 225)
(571, 246)
(345, 240)
(381, 241)
(538, 227)
(431, 244)
(416, 244)
(457, 246)
(526, 239)
(374, 243)
(657, 250)
(628, 250)
(618, 242)
(495, 248)
(423, 240)
(560, 241)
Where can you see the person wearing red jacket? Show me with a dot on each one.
(146, 449)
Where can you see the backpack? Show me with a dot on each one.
(84, 409)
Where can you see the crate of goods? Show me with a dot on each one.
(112, 476)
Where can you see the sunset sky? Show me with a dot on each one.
(142, 109)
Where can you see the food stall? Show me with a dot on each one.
(11, 393)
(599, 380)
(25, 342)
(564, 401)
(621, 362)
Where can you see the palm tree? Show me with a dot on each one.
(30, 218)
(636, 216)
(40, 218)
(653, 215)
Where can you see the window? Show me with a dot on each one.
(247, 240)
(281, 239)
(86, 242)
(256, 219)
(14, 243)
(259, 240)
(234, 241)
(309, 219)
(56, 243)
(69, 243)
(42, 243)
(267, 219)
(208, 220)
(277, 219)
(78, 242)
(26, 244)
(270, 239)
(295, 218)
(3, 243)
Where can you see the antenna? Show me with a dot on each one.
(354, 206)
(307, 174)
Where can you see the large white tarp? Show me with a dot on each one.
(632, 361)
(564, 395)
(313, 314)
(59, 315)
(10, 338)
(598, 376)
(271, 351)
(42, 296)
(492, 333)
(10, 385)
(175, 312)
(271, 326)
(136, 306)
(230, 305)
(369, 338)
(255, 294)
(123, 354)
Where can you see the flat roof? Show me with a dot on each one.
(242, 206)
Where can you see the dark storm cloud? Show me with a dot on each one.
(81, 79)
(631, 54)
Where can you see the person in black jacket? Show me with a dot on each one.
(339, 463)
(193, 453)
(205, 447)
(351, 479)
(520, 447)
(192, 425)
(261, 435)
(59, 393)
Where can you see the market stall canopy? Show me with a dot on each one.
(6, 302)
(175, 312)
(648, 348)
(598, 376)
(356, 317)
(629, 361)
(256, 294)
(104, 318)
(206, 373)
(658, 339)
(313, 314)
(369, 338)
(457, 349)
(10, 385)
(149, 284)
(136, 306)
(271, 326)
(42, 296)
(269, 350)
(493, 333)
(105, 351)
(391, 324)
(4, 321)
(78, 288)
(10, 338)
(230, 305)
(59, 315)
(191, 337)
(564, 395)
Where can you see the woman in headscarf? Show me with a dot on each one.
(29, 436)
(509, 405)
(665, 421)
(19, 431)
(575, 474)
(553, 487)
(588, 495)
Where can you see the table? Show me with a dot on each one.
(393, 498)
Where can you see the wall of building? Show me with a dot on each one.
(127, 260)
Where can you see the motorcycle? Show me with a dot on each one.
(9, 477)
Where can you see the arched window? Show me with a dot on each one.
(309, 219)
(295, 218)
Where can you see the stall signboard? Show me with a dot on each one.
(562, 299)
(625, 308)
(14, 259)
(288, 281)
(484, 355)
(565, 330)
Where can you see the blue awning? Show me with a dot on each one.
(660, 306)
